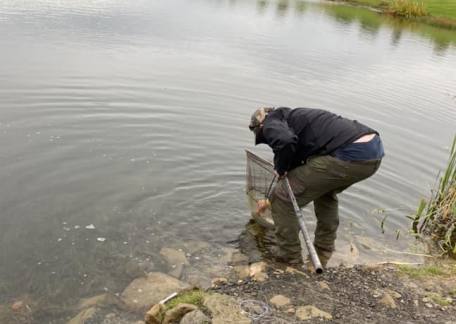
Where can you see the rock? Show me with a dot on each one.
(196, 246)
(291, 310)
(227, 255)
(17, 306)
(308, 312)
(198, 279)
(258, 271)
(154, 315)
(100, 300)
(261, 277)
(242, 271)
(295, 271)
(239, 258)
(388, 301)
(176, 260)
(225, 309)
(218, 282)
(83, 316)
(257, 267)
(394, 294)
(323, 285)
(135, 268)
(279, 300)
(377, 293)
(175, 314)
(146, 291)
(195, 317)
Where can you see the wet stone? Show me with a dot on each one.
(83, 316)
(195, 317)
(146, 291)
(174, 315)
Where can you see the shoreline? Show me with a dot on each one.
(382, 8)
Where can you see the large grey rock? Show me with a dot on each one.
(195, 317)
(146, 291)
(225, 309)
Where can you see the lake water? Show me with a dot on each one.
(130, 118)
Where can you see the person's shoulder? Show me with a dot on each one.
(279, 112)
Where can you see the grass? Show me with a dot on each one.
(436, 217)
(407, 8)
(194, 297)
(439, 299)
(436, 12)
(422, 271)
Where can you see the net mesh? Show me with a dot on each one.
(259, 178)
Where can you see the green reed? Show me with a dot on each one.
(436, 217)
(407, 8)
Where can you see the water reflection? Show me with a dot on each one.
(369, 21)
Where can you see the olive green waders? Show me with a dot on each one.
(319, 180)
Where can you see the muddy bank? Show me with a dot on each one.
(375, 294)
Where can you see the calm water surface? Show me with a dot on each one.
(131, 116)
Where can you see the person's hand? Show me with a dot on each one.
(262, 205)
(280, 177)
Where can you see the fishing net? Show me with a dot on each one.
(259, 181)
(261, 313)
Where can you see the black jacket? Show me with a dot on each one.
(296, 134)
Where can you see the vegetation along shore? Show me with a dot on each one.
(440, 13)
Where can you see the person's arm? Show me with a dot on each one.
(283, 142)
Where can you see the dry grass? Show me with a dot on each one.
(407, 8)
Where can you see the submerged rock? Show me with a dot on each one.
(176, 259)
(83, 316)
(225, 309)
(305, 313)
(149, 290)
(242, 271)
(196, 246)
(100, 300)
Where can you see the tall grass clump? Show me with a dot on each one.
(437, 216)
(407, 8)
